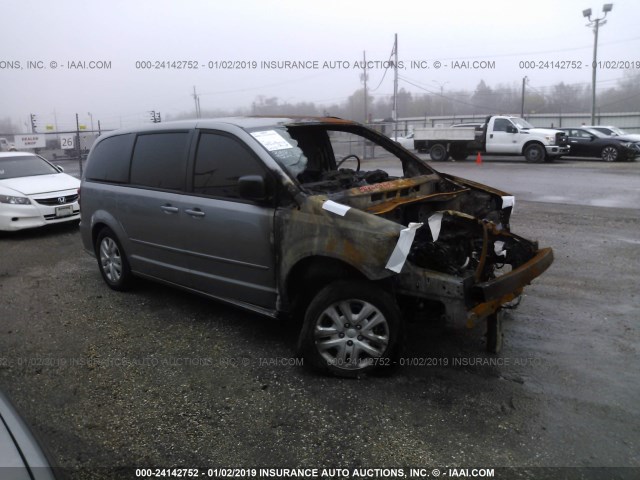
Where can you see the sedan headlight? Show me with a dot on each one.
(627, 144)
(551, 139)
(14, 200)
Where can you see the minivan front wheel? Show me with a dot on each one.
(350, 328)
(112, 261)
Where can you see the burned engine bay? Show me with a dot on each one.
(465, 230)
(472, 236)
(343, 179)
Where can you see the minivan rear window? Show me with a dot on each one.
(159, 160)
(109, 160)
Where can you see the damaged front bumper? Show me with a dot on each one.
(465, 300)
(480, 288)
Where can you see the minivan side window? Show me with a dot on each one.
(109, 160)
(220, 161)
(159, 160)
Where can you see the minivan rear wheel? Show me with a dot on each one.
(351, 328)
(112, 261)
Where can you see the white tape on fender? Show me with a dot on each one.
(400, 252)
(509, 201)
(435, 221)
(335, 207)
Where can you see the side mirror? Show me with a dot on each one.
(511, 129)
(59, 168)
(252, 187)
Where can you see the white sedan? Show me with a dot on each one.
(406, 142)
(33, 192)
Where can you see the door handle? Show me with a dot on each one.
(194, 212)
(574, 141)
(169, 209)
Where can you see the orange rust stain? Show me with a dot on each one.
(390, 185)
(352, 253)
(331, 245)
(395, 202)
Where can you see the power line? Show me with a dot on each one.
(264, 86)
(449, 98)
(506, 55)
(385, 70)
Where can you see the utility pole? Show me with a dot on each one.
(364, 77)
(395, 87)
(78, 143)
(524, 82)
(441, 85)
(196, 99)
(606, 8)
(366, 115)
(593, 73)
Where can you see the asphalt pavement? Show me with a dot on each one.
(162, 378)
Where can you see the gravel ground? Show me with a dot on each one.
(159, 377)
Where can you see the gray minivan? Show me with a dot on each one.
(322, 219)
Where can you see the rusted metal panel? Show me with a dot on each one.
(518, 278)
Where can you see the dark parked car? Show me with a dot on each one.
(588, 142)
(611, 131)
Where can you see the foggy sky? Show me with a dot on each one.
(123, 32)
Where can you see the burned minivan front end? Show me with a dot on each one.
(371, 225)
(462, 253)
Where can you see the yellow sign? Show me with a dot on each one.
(49, 127)
(83, 127)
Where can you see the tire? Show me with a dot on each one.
(112, 261)
(345, 347)
(438, 153)
(495, 335)
(609, 154)
(535, 153)
(459, 154)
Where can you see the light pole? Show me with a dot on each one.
(441, 85)
(524, 82)
(91, 117)
(595, 23)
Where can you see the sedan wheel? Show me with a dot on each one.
(609, 154)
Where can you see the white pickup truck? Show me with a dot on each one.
(499, 135)
(6, 146)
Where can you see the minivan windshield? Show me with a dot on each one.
(331, 158)
(283, 148)
(24, 166)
